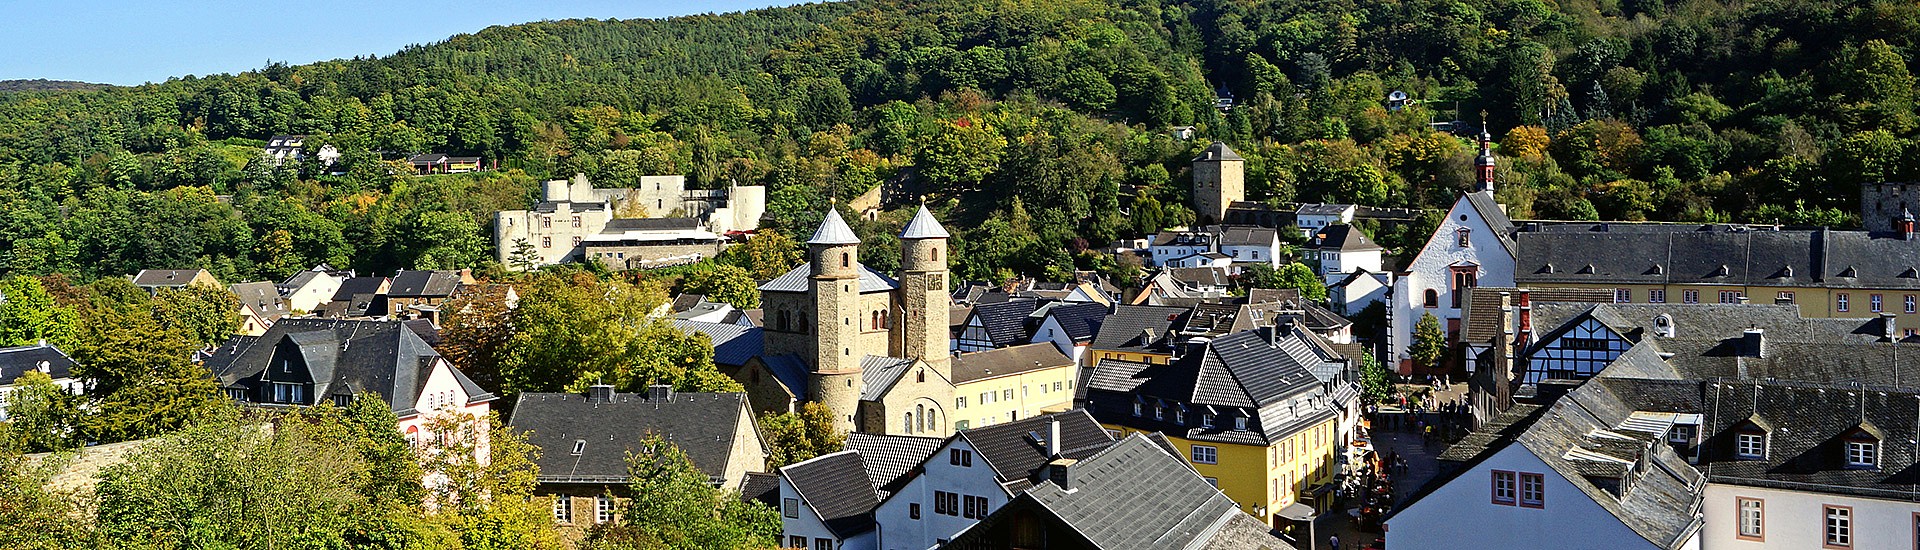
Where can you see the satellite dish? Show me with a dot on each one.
(1397, 95)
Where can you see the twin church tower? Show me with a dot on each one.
(842, 319)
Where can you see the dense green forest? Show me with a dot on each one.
(1038, 128)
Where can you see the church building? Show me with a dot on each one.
(875, 349)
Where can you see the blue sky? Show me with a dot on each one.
(130, 42)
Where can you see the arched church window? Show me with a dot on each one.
(846, 260)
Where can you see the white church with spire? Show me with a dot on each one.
(874, 348)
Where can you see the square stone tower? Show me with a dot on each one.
(1219, 179)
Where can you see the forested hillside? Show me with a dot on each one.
(1023, 120)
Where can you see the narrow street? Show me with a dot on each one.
(1393, 435)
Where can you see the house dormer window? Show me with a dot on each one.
(1240, 423)
(1862, 447)
(1863, 454)
(1137, 409)
(1206, 420)
(1180, 416)
(1159, 413)
(1750, 445)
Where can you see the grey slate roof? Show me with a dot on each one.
(1081, 321)
(618, 225)
(980, 365)
(1489, 210)
(702, 424)
(1247, 235)
(16, 361)
(1237, 375)
(1218, 151)
(1807, 424)
(431, 284)
(923, 226)
(761, 487)
(790, 371)
(1715, 255)
(1013, 452)
(354, 286)
(797, 280)
(1207, 276)
(733, 344)
(838, 488)
(1663, 502)
(1706, 342)
(1321, 209)
(1006, 322)
(343, 357)
(1137, 328)
(1134, 495)
(834, 230)
(1343, 238)
(263, 297)
(879, 373)
(165, 277)
(890, 459)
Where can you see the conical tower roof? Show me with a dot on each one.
(834, 230)
(924, 226)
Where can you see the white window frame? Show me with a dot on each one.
(562, 509)
(1533, 490)
(1751, 518)
(1506, 488)
(1206, 454)
(1863, 454)
(1751, 446)
(603, 509)
(1838, 526)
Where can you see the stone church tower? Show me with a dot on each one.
(1219, 180)
(834, 288)
(922, 330)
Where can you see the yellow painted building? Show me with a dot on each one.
(1244, 408)
(1262, 479)
(1135, 333)
(1826, 273)
(1007, 384)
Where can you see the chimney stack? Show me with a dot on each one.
(1889, 327)
(1053, 438)
(1058, 470)
(599, 393)
(659, 392)
(1526, 319)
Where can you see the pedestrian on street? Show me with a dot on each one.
(1333, 541)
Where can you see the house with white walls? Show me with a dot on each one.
(976, 471)
(306, 362)
(17, 361)
(1070, 327)
(1473, 246)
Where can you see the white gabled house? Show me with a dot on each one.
(1473, 246)
(827, 503)
(977, 471)
(1070, 327)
